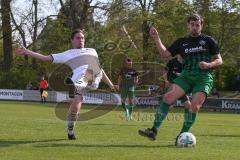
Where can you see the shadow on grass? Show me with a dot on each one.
(218, 135)
(10, 143)
(47, 143)
(116, 124)
(105, 145)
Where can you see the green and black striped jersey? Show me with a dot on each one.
(194, 50)
(128, 75)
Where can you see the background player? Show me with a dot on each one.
(174, 69)
(126, 81)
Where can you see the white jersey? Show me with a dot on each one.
(79, 60)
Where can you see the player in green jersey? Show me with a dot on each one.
(126, 81)
(200, 55)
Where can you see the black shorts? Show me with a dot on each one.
(41, 91)
(184, 98)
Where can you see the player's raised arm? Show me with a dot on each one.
(161, 48)
(27, 52)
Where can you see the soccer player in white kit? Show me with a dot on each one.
(86, 72)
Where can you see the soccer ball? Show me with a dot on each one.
(186, 139)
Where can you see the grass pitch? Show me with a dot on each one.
(32, 131)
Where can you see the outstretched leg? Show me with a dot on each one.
(169, 98)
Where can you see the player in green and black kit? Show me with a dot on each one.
(200, 54)
(126, 82)
(174, 68)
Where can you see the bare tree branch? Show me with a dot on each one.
(63, 6)
(141, 3)
(149, 5)
(45, 18)
(19, 28)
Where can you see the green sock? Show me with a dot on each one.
(189, 119)
(130, 108)
(124, 107)
(160, 115)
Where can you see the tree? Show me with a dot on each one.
(79, 13)
(7, 34)
(146, 10)
(29, 23)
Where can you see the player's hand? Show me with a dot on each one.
(116, 87)
(153, 33)
(113, 88)
(21, 51)
(136, 82)
(204, 65)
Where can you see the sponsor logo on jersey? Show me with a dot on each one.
(129, 75)
(202, 42)
(194, 50)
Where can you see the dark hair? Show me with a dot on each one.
(128, 60)
(76, 31)
(195, 17)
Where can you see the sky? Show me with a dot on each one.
(21, 8)
(46, 6)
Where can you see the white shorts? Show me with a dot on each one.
(82, 84)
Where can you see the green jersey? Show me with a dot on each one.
(128, 75)
(194, 50)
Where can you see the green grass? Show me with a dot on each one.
(32, 131)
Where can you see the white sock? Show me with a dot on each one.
(71, 121)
